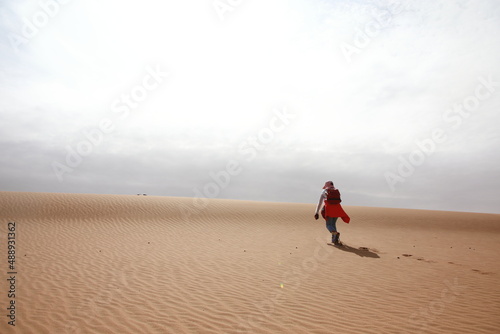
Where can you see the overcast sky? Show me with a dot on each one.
(397, 102)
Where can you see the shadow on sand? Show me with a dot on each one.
(361, 251)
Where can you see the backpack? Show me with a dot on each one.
(332, 196)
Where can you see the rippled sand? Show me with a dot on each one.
(145, 264)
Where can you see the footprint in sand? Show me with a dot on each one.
(418, 258)
(482, 272)
(428, 261)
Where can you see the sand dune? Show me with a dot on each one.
(146, 264)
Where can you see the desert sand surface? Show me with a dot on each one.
(147, 264)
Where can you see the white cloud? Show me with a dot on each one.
(353, 119)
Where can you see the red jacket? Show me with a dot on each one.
(332, 207)
(335, 210)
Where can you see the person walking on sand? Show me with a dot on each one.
(332, 210)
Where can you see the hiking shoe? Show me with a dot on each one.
(336, 239)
